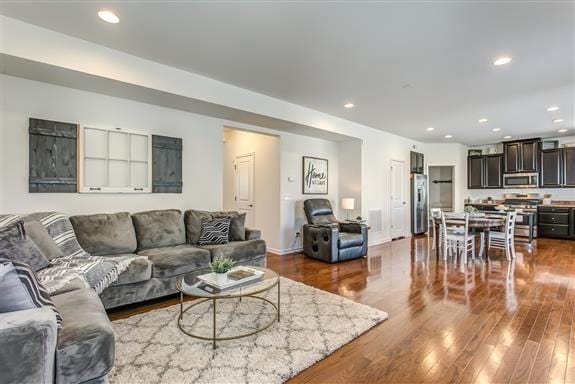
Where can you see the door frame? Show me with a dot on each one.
(454, 185)
(452, 166)
(405, 187)
(253, 186)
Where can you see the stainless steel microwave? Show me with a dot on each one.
(521, 180)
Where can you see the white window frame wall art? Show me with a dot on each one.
(315, 176)
(114, 160)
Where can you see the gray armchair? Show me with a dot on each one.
(326, 239)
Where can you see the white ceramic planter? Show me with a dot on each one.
(221, 278)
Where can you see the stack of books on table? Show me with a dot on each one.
(237, 276)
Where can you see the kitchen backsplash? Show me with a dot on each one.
(497, 194)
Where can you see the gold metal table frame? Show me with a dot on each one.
(251, 295)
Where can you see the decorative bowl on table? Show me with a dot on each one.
(502, 207)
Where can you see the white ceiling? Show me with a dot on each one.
(406, 66)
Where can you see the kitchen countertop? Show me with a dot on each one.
(556, 203)
(561, 204)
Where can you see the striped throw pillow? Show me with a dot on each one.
(38, 295)
(215, 231)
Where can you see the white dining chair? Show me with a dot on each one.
(457, 240)
(435, 214)
(505, 240)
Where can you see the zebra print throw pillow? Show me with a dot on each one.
(37, 295)
(215, 231)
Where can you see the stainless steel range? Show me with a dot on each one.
(526, 206)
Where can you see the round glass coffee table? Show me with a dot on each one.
(189, 285)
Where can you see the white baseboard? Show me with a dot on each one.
(281, 252)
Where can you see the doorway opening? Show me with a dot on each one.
(251, 182)
(441, 194)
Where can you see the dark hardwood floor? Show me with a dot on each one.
(488, 322)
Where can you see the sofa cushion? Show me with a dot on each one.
(238, 250)
(19, 247)
(348, 240)
(176, 260)
(40, 236)
(161, 228)
(85, 349)
(105, 234)
(237, 224)
(138, 270)
(193, 219)
(215, 231)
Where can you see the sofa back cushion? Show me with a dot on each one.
(15, 245)
(160, 228)
(105, 233)
(57, 225)
(193, 219)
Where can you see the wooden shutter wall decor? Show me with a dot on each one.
(53, 154)
(167, 164)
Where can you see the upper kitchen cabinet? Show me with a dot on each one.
(569, 167)
(551, 168)
(558, 167)
(521, 156)
(416, 162)
(475, 172)
(493, 174)
(484, 171)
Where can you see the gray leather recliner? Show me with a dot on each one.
(326, 239)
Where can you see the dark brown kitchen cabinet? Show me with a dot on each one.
(569, 167)
(511, 154)
(493, 175)
(521, 156)
(529, 156)
(555, 222)
(475, 172)
(558, 168)
(551, 168)
(484, 171)
(416, 162)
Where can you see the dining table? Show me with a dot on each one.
(477, 222)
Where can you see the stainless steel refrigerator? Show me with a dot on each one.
(418, 203)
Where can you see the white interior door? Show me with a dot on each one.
(398, 199)
(244, 194)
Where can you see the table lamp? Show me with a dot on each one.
(348, 203)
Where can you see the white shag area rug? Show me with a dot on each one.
(150, 348)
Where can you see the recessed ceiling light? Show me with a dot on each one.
(429, 129)
(108, 16)
(496, 129)
(349, 105)
(507, 137)
(448, 136)
(553, 108)
(482, 120)
(502, 60)
(562, 130)
(558, 120)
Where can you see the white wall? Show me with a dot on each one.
(293, 147)
(266, 150)
(22, 99)
(349, 174)
(378, 149)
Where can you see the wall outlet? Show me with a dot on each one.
(297, 234)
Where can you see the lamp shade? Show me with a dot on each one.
(348, 203)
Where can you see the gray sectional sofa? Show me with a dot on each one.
(83, 351)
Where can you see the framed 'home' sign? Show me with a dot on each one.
(315, 176)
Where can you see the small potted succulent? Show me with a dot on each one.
(221, 266)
